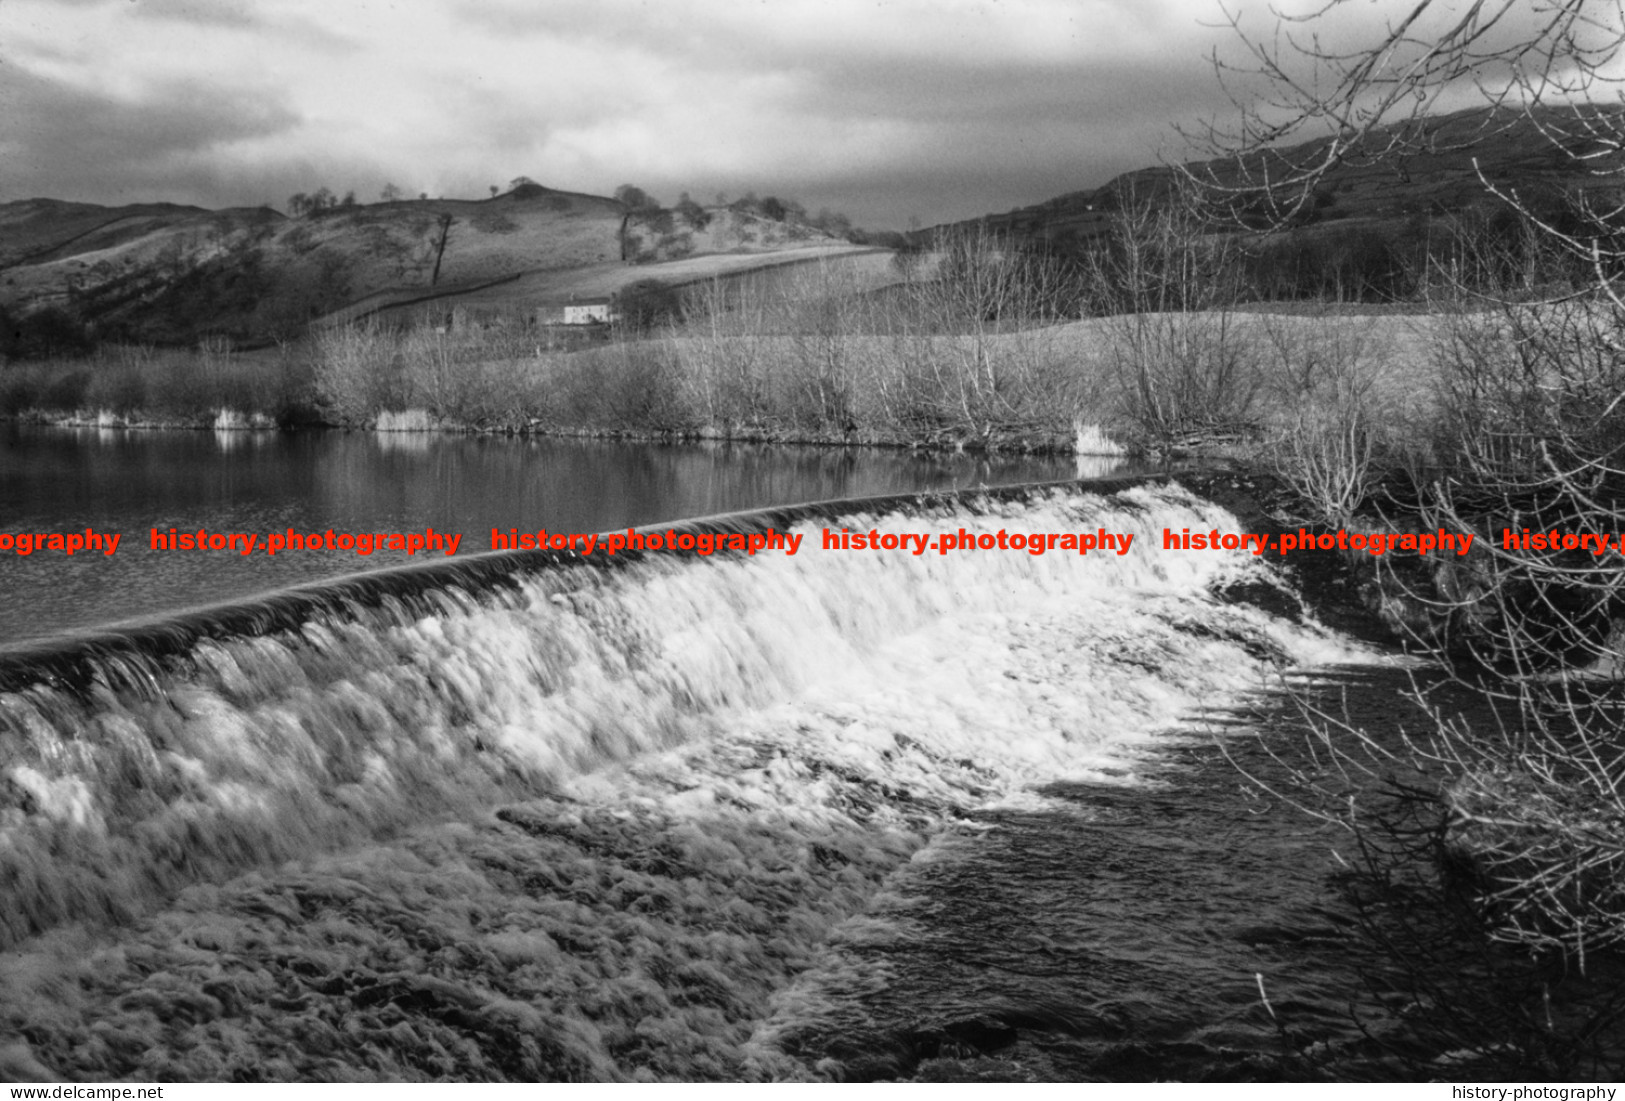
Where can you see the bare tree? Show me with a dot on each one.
(635, 198)
(691, 212)
(1530, 443)
(1373, 101)
(1167, 286)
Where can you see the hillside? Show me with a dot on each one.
(656, 235)
(860, 267)
(38, 230)
(169, 274)
(1438, 180)
(719, 242)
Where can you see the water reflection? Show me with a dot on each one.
(405, 440)
(1096, 466)
(232, 439)
(115, 480)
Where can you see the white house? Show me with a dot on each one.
(589, 313)
(577, 311)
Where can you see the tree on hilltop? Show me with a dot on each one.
(635, 198)
(691, 212)
(317, 202)
(832, 222)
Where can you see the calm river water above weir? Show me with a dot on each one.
(117, 480)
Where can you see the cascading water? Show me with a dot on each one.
(512, 818)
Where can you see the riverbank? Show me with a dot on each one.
(1083, 440)
(1165, 383)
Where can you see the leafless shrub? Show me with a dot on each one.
(1469, 999)
(432, 373)
(724, 353)
(1340, 427)
(121, 384)
(358, 371)
(1327, 458)
(1186, 366)
(1187, 378)
(962, 351)
(1317, 360)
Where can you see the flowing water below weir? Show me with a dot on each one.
(836, 814)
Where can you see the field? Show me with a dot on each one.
(521, 294)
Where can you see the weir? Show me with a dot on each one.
(533, 776)
(79, 657)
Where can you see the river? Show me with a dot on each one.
(811, 815)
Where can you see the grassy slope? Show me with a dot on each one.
(1515, 155)
(169, 274)
(871, 266)
(664, 235)
(37, 230)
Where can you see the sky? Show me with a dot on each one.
(890, 111)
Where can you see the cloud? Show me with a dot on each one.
(236, 16)
(294, 29)
(65, 142)
(884, 108)
(242, 16)
(935, 107)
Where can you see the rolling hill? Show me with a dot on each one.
(167, 274)
(1440, 177)
(864, 267)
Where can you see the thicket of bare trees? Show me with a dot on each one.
(1513, 822)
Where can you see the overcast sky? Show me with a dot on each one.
(887, 110)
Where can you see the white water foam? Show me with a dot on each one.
(711, 767)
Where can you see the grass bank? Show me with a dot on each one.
(1153, 383)
(139, 386)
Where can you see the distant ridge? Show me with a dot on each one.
(1512, 154)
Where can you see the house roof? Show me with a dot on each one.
(585, 300)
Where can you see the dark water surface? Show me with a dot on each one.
(1131, 932)
(116, 480)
